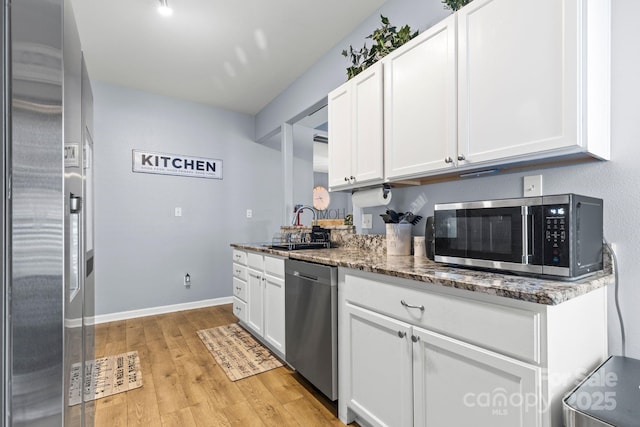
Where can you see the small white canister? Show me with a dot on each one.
(399, 239)
(419, 249)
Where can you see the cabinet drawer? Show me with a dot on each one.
(240, 309)
(239, 271)
(255, 261)
(240, 289)
(510, 331)
(274, 266)
(240, 257)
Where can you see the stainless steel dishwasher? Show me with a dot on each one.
(311, 323)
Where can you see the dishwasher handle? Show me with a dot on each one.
(305, 276)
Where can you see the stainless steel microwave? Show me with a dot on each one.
(559, 235)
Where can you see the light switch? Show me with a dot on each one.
(367, 221)
(178, 212)
(249, 213)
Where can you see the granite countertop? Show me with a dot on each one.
(540, 291)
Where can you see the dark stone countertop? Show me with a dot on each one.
(524, 288)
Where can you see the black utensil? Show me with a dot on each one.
(386, 218)
(394, 216)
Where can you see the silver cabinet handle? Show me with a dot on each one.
(402, 334)
(448, 160)
(238, 288)
(346, 178)
(415, 338)
(403, 302)
(352, 178)
(461, 157)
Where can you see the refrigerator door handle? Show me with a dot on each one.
(75, 250)
(75, 204)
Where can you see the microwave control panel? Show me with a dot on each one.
(556, 235)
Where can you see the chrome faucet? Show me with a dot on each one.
(300, 209)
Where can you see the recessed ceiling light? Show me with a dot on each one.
(164, 8)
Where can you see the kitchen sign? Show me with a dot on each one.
(176, 164)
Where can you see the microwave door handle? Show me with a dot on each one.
(527, 233)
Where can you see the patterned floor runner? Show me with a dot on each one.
(105, 376)
(237, 352)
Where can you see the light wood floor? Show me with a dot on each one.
(183, 385)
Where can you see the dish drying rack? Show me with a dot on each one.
(317, 238)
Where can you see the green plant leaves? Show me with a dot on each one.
(455, 4)
(386, 39)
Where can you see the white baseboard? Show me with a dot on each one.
(124, 315)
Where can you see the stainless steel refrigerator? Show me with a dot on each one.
(47, 232)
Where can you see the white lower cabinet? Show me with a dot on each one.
(433, 380)
(240, 284)
(417, 354)
(259, 301)
(460, 384)
(379, 387)
(240, 309)
(255, 299)
(274, 328)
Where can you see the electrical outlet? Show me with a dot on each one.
(367, 221)
(249, 213)
(178, 212)
(187, 280)
(532, 186)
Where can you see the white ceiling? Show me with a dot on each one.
(233, 54)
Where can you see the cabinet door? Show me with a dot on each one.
(459, 384)
(340, 136)
(254, 301)
(367, 146)
(379, 371)
(420, 95)
(518, 79)
(274, 328)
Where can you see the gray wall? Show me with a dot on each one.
(142, 250)
(615, 181)
(330, 71)
(303, 169)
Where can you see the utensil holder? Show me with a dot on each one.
(399, 239)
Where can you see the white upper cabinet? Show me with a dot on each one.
(420, 103)
(340, 134)
(498, 82)
(356, 131)
(530, 73)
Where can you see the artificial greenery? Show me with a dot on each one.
(386, 40)
(455, 4)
